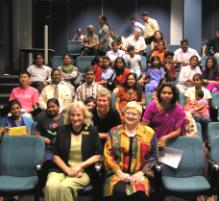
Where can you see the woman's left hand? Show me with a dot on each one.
(137, 177)
(162, 142)
(75, 171)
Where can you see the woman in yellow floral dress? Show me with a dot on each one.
(130, 152)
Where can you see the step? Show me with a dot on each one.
(9, 79)
(6, 88)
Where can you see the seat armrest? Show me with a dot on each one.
(98, 166)
(213, 164)
(39, 166)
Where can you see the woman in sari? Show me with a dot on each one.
(165, 115)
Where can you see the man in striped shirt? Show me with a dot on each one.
(90, 88)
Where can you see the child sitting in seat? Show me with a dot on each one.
(199, 108)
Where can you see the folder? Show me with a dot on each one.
(17, 131)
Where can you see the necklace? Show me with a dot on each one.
(77, 132)
(130, 93)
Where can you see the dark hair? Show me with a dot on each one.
(174, 90)
(104, 18)
(12, 103)
(207, 72)
(184, 41)
(145, 13)
(194, 56)
(54, 70)
(153, 59)
(90, 99)
(169, 53)
(117, 70)
(96, 60)
(36, 55)
(133, 18)
(160, 34)
(90, 68)
(24, 73)
(53, 100)
(130, 48)
(198, 75)
(67, 54)
(199, 93)
(106, 57)
(136, 86)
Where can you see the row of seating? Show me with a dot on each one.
(19, 156)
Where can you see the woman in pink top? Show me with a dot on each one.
(165, 115)
(27, 96)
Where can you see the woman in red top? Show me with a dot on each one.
(121, 72)
(97, 64)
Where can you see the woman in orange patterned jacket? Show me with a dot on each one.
(129, 154)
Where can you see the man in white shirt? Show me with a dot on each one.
(136, 24)
(137, 41)
(151, 25)
(114, 52)
(57, 89)
(40, 74)
(90, 88)
(184, 53)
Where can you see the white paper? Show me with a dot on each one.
(170, 156)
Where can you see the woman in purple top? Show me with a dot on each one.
(165, 115)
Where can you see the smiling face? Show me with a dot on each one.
(166, 95)
(67, 60)
(194, 62)
(16, 111)
(197, 82)
(76, 117)
(53, 109)
(131, 117)
(209, 63)
(131, 81)
(56, 77)
(119, 64)
(103, 103)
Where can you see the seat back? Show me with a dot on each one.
(182, 99)
(74, 47)
(143, 63)
(199, 129)
(192, 161)
(215, 100)
(173, 48)
(19, 155)
(213, 131)
(83, 62)
(56, 61)
(215, 149)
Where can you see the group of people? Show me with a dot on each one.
(105, 116)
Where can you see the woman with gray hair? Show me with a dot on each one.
(77, 149)
(129, 154)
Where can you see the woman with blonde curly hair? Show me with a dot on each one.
(77, 149)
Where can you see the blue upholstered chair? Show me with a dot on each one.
(82, 62)
(188, 178)
(74, 47)
(56, 61)
(213, 131)
(18, 159)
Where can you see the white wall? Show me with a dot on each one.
(176, 21)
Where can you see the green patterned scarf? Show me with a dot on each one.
(67, 68)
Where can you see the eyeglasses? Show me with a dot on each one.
(131, 114)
